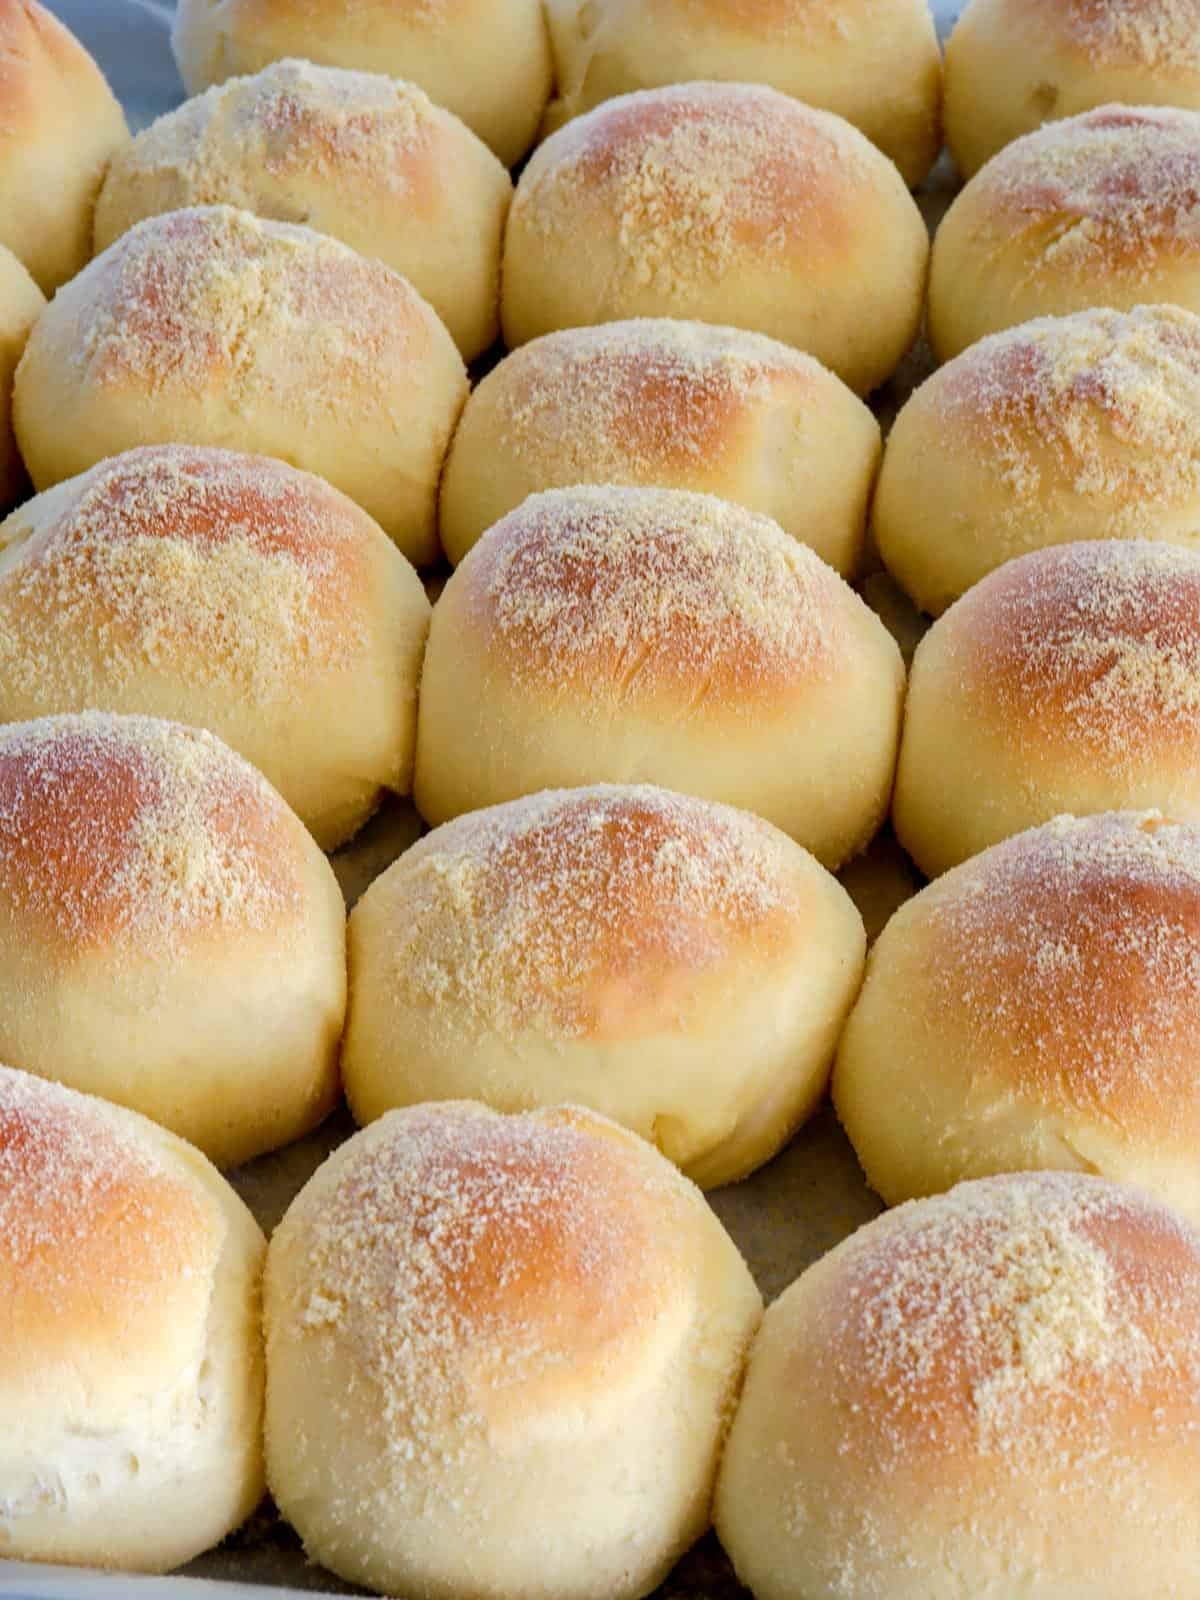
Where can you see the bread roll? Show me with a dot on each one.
(1013, 64)
(994, 1393)
(364, 158)
(487, 61)
(227, 591)
(1094, 211)
(131, 1365)
(726, 202)
(209, 326)
(1037, 1007)
(602, 635)
(61, 125)
(502, 1353)
(679, 966)
(170, 936)
(1065, 681)
(673, 405)
(1062, 429)
(874, 62)
(21, 302)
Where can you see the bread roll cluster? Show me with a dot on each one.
(506, 1350)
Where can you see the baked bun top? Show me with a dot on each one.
(1032, 1324)
(1090, 649)
(1068, 956)
(141, 834)
(693, 595)
(108, 1245)
(590, 913)
(499, 1270)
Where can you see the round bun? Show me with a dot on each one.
(1094, 211)
(131, 1363)
(1013, 64)
(663, 404)
(726, 202)
(170, 936)
(211, 326)
(680, 966)
(602, 635)
(487, 61)
(874, 62)
(1065, 681)
(61, 125)
(227, 591)
(502, 1355)
(993, 1393)
(367, 159)
(1058, 430)
(1037, 1007)
(21, 303)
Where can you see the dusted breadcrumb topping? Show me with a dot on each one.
(1142, 33)
(1070, 956)
(1103, 402)
(523, 914)
(204, 563)
(657, 586)
(457, 1257)
(1118, 187)
(695, 173)
(138, 830)
(1092, 646)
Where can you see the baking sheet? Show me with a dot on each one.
(783, 1217)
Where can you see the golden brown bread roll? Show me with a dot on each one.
(502, 1354)
(1066, 681)
(610, 635)
(669, 404)
(487, 61)
(727, 203)
(211, 326)
(989, 1394)
(131, 1362)
(170, 936)
(1012, 65)
(367, 159)
(230, 592)
(1036, 1007)
(874, 62)
(61, 125)
(1097, 210)
(1061, 429)
(679, 966)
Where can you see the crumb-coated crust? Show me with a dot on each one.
(230, 591)
(704, 200)
(212, 326)
(1054, 431)
(547, 949)
(487, 61)
(1068, 680)
(659, 402)
(495, 1313)
(173, 939)
(1037, 1006)
(680, 640)
(62, 124)
(1012, 65)
(874, 62)
(992, 1392)
(132, 1379)
(367, 159)
(1099, 209)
